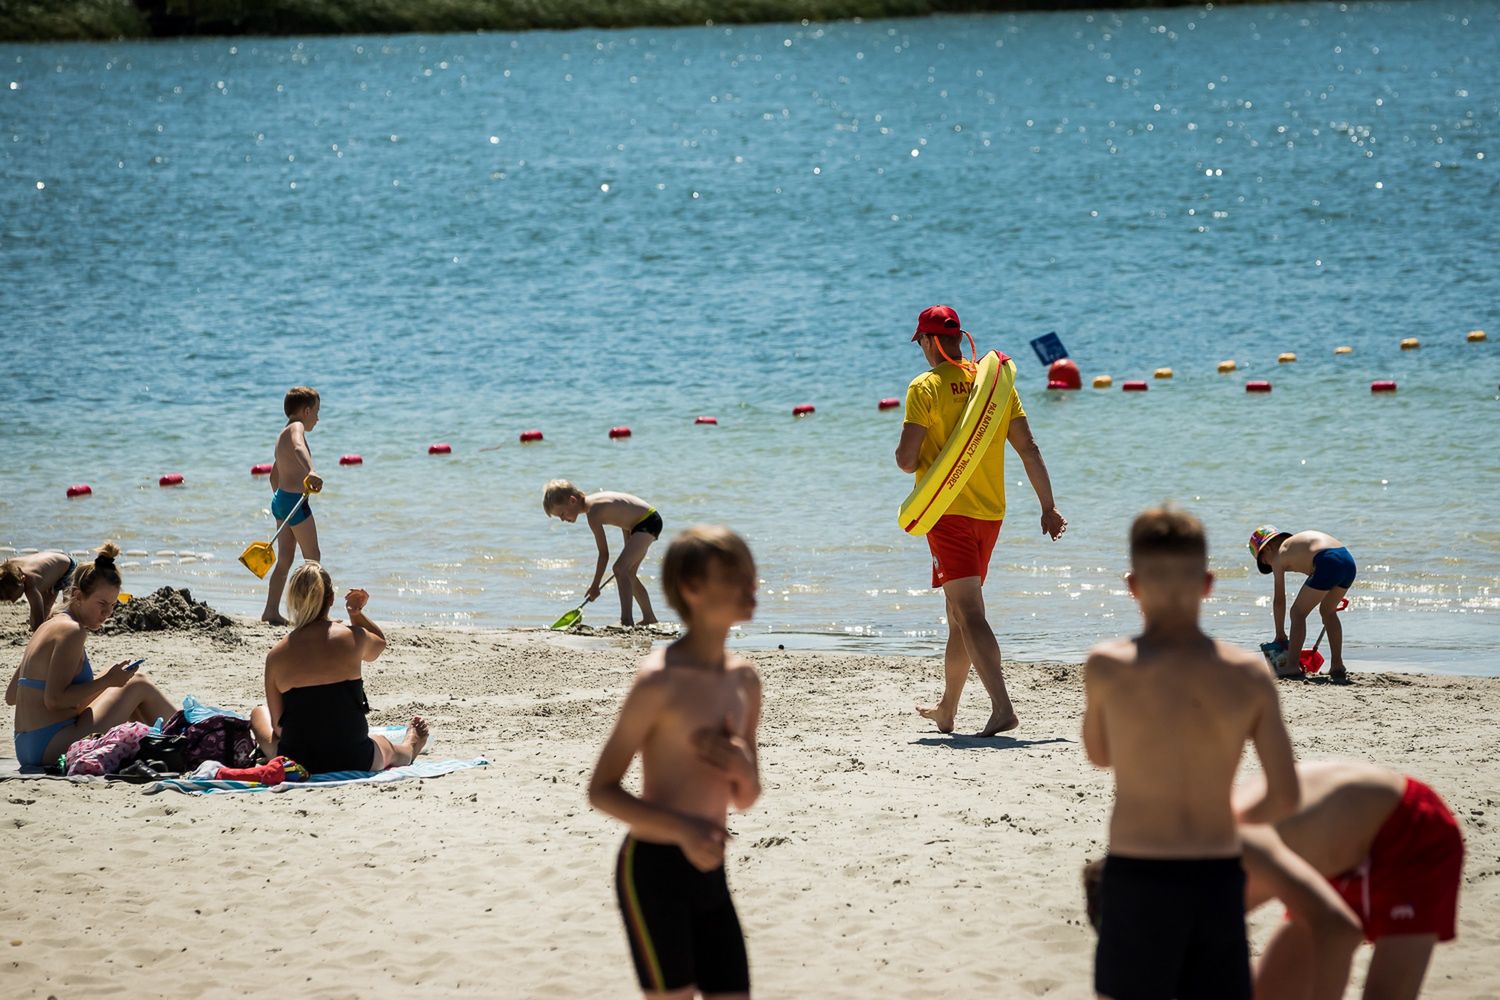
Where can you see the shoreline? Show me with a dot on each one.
(862, 868)
(117, 20)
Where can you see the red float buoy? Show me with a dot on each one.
(1134, 385)
(170, 479)
(80, 490)
(707, 420)
(1064, 374)
(263, 469)
(531, 436)
(803, 409)
(440, 449)
(619, 432)
(1258, 385)
(351, 460)
(1383, 385)
(889, 403)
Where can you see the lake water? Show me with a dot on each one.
(458, 238)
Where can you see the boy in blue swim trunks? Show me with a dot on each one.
(1330, 571)
(294, 465)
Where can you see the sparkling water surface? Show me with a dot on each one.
(457, 238)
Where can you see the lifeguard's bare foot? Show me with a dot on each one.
(939, 715)
(416, 735)
(1000, 724)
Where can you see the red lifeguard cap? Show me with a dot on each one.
(937, 319)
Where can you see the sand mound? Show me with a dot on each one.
(166, 610)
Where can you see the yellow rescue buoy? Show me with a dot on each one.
(1343, 350)
(1475, 336)
(1410, 344)
(1103, 381)
(1227, 366)
(1285, 357)
(1163, 373)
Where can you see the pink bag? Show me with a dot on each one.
(108, 753)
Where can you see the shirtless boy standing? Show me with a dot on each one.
(636, 519)
(293, 466)
(692, 715)
(1170, 711)
(1330, 572)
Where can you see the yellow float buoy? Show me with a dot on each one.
(1227, 366)
(1103, 381)
(1410, 344)
(1285, 357)
(1163, 373)
(1475, 336)
(1346, 349)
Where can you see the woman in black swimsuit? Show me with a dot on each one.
(315, 693)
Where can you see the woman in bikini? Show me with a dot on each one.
(315, 692)
(57, 697)
(40, 577)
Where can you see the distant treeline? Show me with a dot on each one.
(97, 20)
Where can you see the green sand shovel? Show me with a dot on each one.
(576, 615)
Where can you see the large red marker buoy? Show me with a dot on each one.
(1064, 374)
(803, 409)
(1383, 385)
(440, 449)
(1258, 385)
(80, 490)
(889, 403)
(530, 436)
(707, 420)
(170, 479)
(1134, 385)
(351, 460)
(619, 432)
(263, 469)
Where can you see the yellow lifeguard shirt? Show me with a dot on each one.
(936, 400)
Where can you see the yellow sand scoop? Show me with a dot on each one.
(259, 557)
(576, 615)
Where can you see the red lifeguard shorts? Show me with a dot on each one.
(1409, 883)
(961, 546)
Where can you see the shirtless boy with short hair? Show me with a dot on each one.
(1170, 711)
(293, 466)
(637, 520)
(1330, 571)
(1388, 845)
(692, 715)
(40, 577)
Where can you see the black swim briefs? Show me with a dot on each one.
(681, 922)
(1172, 928)
(650, 524)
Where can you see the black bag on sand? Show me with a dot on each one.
(170, 750)
(219, 737)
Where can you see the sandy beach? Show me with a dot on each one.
(883, 859)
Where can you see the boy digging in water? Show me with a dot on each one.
(293, 465)
(637, 520)
(692, 715)
(1330, 571)
(1170, 710)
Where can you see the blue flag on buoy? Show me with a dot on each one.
(1049, 348)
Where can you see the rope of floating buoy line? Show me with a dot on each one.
(1062, 375)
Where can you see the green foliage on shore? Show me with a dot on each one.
(70, 20)
(55, 20)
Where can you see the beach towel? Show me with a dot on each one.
(332, 779)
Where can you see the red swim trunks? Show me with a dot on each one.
(961, 546)
(1409, 883)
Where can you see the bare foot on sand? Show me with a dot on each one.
(416, 735)
(277, 620)
(1000, 724)
(648, 621)
(1338, 675)
(940, 716)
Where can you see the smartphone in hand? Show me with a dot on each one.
(133, 667)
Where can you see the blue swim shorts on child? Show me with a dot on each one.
(1332, 568)
(283, 502)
